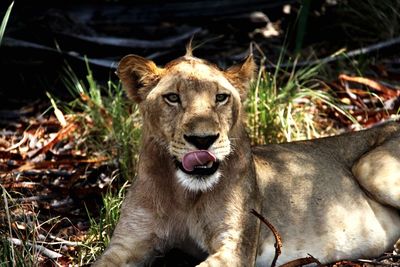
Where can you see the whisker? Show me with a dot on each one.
(179, 147)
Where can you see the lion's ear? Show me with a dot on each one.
(240, 75)
(138, 75)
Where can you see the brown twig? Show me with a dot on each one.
(301, 262)
(391, 92)
(278, 240)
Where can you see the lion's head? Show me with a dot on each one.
(192, 109)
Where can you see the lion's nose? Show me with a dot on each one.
(201, 142)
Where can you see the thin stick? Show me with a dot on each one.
(278, 240)
(41, 249)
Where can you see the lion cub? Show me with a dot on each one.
(198, 177)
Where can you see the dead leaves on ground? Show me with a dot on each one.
(50, 181)
(369, 100)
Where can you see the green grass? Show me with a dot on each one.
(101, 228)
(283, 105)
(111, 122)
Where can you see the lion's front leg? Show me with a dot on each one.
(235, 245)
(124, 252)
(233, 253)
(133, 240)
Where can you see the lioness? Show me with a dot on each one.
(198, 177)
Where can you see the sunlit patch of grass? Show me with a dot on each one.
(111, 121)
(100, 232)
(283, 105)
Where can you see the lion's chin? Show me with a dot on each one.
(196, 183)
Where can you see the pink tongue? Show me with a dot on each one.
(196, 158)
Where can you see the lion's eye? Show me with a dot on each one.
(221, 98)
(172, 98)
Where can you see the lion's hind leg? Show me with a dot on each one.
(378, 172)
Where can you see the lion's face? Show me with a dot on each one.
(191, 108)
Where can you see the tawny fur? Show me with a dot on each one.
(334, 198)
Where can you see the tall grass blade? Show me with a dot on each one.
(11, 251)
(5, 21)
